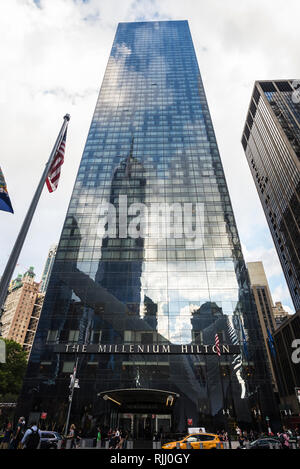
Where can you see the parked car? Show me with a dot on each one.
(264, 443)
(49, 439)
(209, 441)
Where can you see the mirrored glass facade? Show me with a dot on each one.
(151, 142)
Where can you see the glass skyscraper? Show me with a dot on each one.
(117, 297)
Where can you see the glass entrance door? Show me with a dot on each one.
(143, 426)
(163, 424)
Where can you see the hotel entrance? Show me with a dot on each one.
(144, 426)
(140, 412)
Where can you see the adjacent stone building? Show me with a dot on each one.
(22, 310)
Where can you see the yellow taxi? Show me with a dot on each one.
(197, 441)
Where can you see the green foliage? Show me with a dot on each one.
(12, 372)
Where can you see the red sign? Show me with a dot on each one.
(43, 415)
(190, 422)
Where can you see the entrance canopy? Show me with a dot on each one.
(140, 398)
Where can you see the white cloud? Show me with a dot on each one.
(288, 309)
(282, 294)
(268, 257)
(53, 60)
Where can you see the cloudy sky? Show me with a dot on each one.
(53, 56)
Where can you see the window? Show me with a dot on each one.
(52, 336)
(197, 337)
(68, 367)
(73, 336)
(96, 337)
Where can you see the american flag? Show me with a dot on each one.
(217, 343)
(54, 172)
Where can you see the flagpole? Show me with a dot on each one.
(15, 253)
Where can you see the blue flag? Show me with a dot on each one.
(5, 203)
(271, 342)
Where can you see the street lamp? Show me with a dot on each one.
(74, 384)
(226, 413)
(257, 416)
(284, 413)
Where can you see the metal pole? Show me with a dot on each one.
(71, 399)
(12, 261)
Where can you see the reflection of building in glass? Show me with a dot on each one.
(271, 141)
(151, 139)
(48, 268)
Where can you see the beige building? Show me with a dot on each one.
(22, 310)
(280, 314)
(264, 304)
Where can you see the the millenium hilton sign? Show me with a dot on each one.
(147, 349)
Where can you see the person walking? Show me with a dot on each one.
(99, 437)
(15, 442)
(119, 444)
(111, 439)
(72, 435)
(78, 436)
(32, 437)
(117, 438)
(241, 441)
(284, 438)
(7, 436)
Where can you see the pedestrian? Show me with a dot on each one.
(122, 439)
(241, 440)
(78, 436)
(111, 439)
(297, 436)
(99, 436)
(7, 436)
(284, 439)
(72, 435)
(32, 437)
(15, 442)
(117, 438)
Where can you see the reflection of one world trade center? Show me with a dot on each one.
(115, 294)
(120, 271)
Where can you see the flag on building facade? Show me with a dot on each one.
(271, 342)
(245, 346)
(54, 172)
(5, 203)
(217, 344)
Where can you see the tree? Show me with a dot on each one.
(13, 370)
